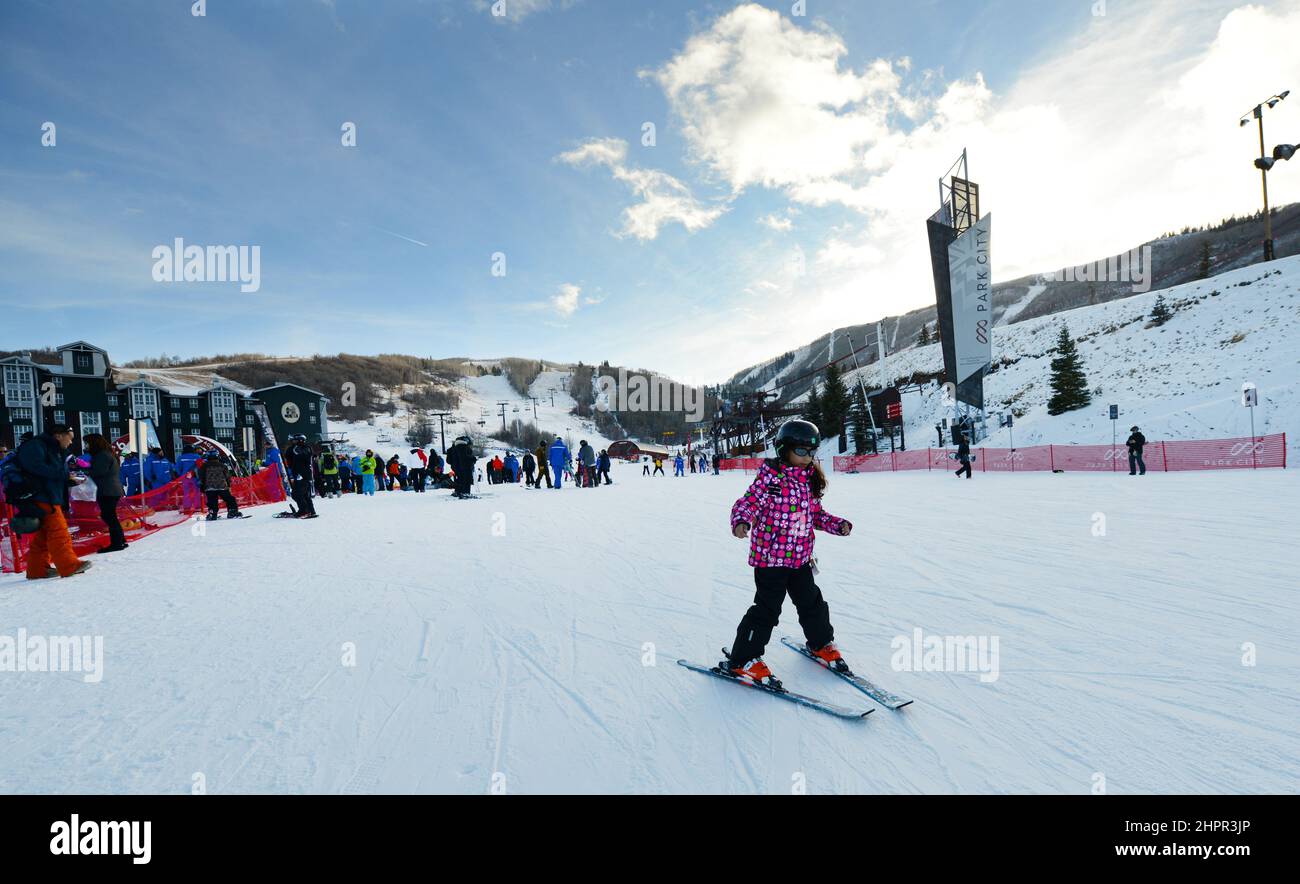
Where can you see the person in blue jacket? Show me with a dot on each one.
(188, 460)
(678, 466)
(558, 455)
(192, 500)
(158, 470)
(512, 467)
(130, 473)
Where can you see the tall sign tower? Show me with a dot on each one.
(960, 242)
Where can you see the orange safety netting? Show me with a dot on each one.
(140, 514)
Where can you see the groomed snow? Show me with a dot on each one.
(525, 654)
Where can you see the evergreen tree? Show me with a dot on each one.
(1160, 313)
(861, 422)
(835, 402)
(813, 408)
(923, 337)
(1069, 383)
(1207, 260)
(421, 433)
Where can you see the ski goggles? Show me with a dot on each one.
(803, 452)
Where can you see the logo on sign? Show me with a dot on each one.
(290, 412)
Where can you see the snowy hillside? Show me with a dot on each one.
(491, 653)
(480, 398)
(1179, 381)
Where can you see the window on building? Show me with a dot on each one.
(91, 422)
(19, 385)
(115, 432)
(17, 414)
(144, 402)
(114, 415)
(223, 408)
(112, 399)
(60, 416)
(58, 382)
(311, 406)
(20, 429)
(58, 398)
(194, 403)
(194, 417)
(176, 417)
(83, 360)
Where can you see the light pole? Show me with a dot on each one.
(1258, 113)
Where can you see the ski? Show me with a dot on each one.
(880, 695)
(800, 699)
(228, 518)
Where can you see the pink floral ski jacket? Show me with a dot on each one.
(782, 513)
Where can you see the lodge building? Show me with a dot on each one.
(84, 390)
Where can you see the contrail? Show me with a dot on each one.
(400, 236)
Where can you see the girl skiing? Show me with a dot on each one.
(782, 508)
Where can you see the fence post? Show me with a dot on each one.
(1164, 455)
(1051, 457)
(929, 459)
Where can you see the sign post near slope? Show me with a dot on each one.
(1114, 436)
(1250, 399)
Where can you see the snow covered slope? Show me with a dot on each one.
(527, 641)
(480, 398)
(1179, 381)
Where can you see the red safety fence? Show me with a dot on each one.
(748, 464)
(140, 515)
(1173, 456)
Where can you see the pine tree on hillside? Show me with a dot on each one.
(1069, 383)
(1160, 312)
(835, 402)
(923, 337)
(861, 422)
(813, 408)
(1207, 260)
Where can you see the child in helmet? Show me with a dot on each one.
(779, 513)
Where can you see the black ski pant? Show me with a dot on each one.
(773, 584)
(462, 482)
(528, 478)
(108, 512)
(301, 496)
(416, 478)
(544, 473)
(605, 473)
(1135, 462)
(224, 495)
(965, 467)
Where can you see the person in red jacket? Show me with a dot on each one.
(778, 514)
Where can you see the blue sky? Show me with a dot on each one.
(785, 194)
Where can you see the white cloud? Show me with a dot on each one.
(518, 10)
(664, 199)
(778, 223)
(565, 301)
(1125, 131)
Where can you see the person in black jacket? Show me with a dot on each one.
(300, 462)
(963, 454)
(105, 471)
(1135, 443)
(602, 464)
(214, 479)
(530, 467)
(460, 457)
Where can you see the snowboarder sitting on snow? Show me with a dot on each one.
(214, 481)
(1135, 443)
(782, 507)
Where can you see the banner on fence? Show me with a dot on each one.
(1173, 456)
